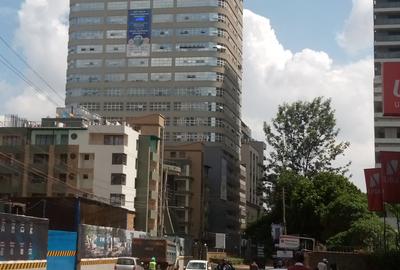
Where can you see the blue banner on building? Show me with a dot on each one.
(22, 238)
(139, 33)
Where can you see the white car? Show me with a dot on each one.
(198, 265)
(128, 263)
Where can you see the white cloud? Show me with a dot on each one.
(30, 105)
(357, 34)
(42, 36)
(273, 75)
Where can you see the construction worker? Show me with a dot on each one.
(153, 264)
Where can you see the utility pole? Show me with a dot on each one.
(284, 211)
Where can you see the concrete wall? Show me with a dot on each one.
(344, 261)
(25, 265)
(97, 264)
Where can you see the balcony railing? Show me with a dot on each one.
(387, 37)
(386, 21)
(380, 4)
(387, 55)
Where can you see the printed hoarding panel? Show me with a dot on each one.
(390, 175)
(139, 33)
(220, 240)
(391, 89)
(103, 242)
(374, 189)
(22, 238)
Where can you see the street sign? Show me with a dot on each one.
(220, 240)
(284, 253)
(260, 251)
(289, 242)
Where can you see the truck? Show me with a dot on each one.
(162, 249)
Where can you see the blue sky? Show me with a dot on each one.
(293, 49)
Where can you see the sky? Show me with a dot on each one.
(293, 50)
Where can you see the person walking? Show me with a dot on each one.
(323, 265)
(254, 266)
(299, 265)
(153, 264)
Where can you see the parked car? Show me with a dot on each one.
(128, 263)
(198, 265)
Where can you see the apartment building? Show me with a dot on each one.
(187, 189)
(252, 157)
(95, 161)
(387, 51)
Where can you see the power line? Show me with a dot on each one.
(15, 70)
(30, 67)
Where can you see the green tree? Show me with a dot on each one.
(302, 138)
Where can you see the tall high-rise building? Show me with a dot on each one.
(387, 53)
(179, 58)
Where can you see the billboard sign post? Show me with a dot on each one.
(391, 88)
(289, 242)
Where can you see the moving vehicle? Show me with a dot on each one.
(162, 249)
(128, 263)
(198, 265)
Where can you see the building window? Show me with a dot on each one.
(63, 159)
(87, 6)
(117, 5)
(197, 17)
(160, 106)
(62, 177)
(161, 62)
(196, 61)
(11, 140)
(162, 18)
(113, 139)
(138, 62)
(40, 159)
(113, 92)
(87, 35)
(44, 139)
(91, 106)
(116, 48)
(116, 34)
(114, 77)
(141, 4)
(161, 47)
(115, 62)
(118, 179)
(197, 3)
(113, 106)
(117, 199)
(86, 157)
(163, 3)
(116, 20)
(85, 176)
(85, 20)
(136, 106)
(162, 32)
(138, 77)
(161, 77)
(64, 139)
(89, 49)
(37, 179)
(197, 46)
(119, 159)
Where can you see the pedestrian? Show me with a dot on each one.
(299, 265)
(254, 266)
(323, 265)
(153, 264)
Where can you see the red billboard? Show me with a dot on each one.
(390, 174)
(391, 89)
(374, 189)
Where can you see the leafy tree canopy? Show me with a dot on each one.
(302, 138)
